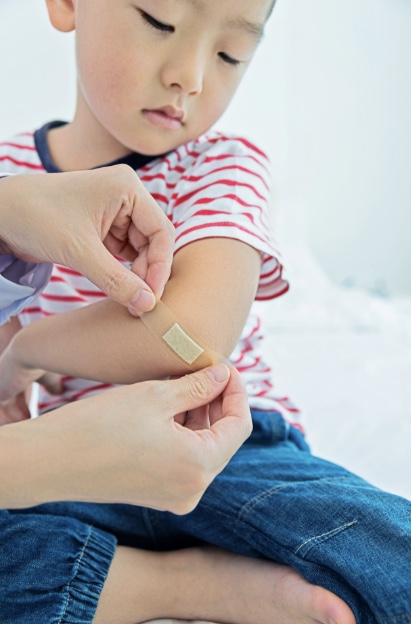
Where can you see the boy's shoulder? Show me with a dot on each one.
(216, 145)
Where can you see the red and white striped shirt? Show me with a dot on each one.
(215, 186)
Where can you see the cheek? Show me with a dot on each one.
(219, 95)
(109, 70)
(105, 78)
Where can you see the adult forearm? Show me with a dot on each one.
(43, 462)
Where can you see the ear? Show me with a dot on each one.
(61, 14)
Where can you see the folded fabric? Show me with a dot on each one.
(20, 283)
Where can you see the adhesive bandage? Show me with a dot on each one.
(179, 340)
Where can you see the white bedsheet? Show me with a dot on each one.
(345, 358)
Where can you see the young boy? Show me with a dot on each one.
(312, 542)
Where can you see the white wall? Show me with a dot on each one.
(37, 68)
(350, 102)
(328, 96)
(331, 99)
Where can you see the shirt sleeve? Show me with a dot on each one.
(20, 283)
(226, 193)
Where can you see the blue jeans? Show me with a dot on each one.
(274, 500)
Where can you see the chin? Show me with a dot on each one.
(157, 140)
(151, 148)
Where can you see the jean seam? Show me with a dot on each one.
(391, 618)
(256, 529)
(328, 533)
(248, 507)
(75, 573)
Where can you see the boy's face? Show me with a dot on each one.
(135, 57)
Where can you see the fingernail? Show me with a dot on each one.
(144, 301)
(219, 372)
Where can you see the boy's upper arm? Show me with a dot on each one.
(212, 287)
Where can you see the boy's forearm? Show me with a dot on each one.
(103, 342)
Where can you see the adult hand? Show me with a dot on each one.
(124, 445)
(81, 220)
(14, 380)
(14, 410)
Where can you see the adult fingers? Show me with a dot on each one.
(233, 425)
(198, 418)
(196, 389)
(114, 279)
(159, 267)
(150, 221)
(14, 410)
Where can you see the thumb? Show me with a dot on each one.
(197, 389)
(115, 280)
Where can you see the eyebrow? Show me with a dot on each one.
(251, 28)
(255, 30)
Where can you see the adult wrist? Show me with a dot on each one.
(3, 246)
(21, 281)
(6, 212)
(25, 465)
(45, 460)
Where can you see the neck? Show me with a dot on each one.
(83, 143)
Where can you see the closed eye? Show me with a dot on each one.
(155, 23)
(228, 59)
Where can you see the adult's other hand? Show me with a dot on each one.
(125, 446)
(82, 220)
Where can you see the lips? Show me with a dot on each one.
(170, 111)
(166, 117)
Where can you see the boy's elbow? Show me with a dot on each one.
(212, 331)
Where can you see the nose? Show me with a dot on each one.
(184, 70)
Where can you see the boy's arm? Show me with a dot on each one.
(211, 289)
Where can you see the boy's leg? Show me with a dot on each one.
(52, 569)
(60, 570)
(276, 501)
(207, 583)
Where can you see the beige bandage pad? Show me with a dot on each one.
(179, 340)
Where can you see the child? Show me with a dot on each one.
(313, 542)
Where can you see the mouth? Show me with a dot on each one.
(165, 117)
